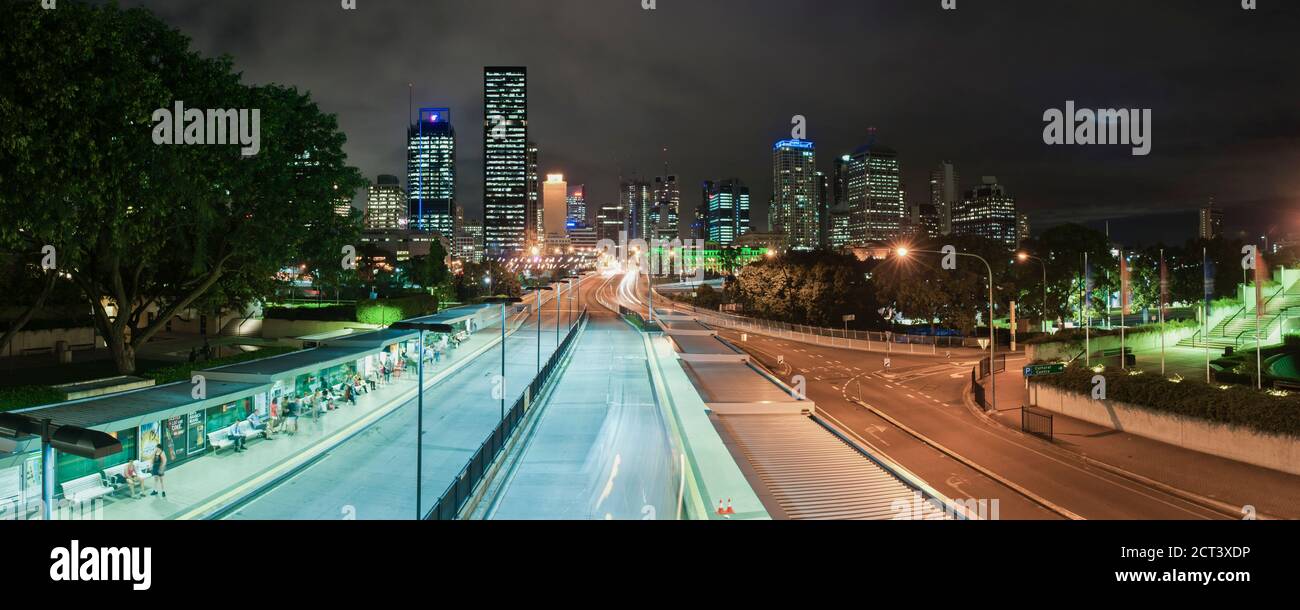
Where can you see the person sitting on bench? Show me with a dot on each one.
(238, 432)
(133, 479)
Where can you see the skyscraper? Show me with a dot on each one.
(666, 211)
(945, 192)
(505, 158)
(874, 194)
(1211, 221)
(610, 221)
(635, 198)
(794, 193)
(385, 204)
(577, 204)
(728, 211)
(1022, 228)
(987, 211)
(555, 202)
(535, 231)
(431, 173)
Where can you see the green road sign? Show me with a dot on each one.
(1044, 369)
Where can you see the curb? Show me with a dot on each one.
(1203, 501)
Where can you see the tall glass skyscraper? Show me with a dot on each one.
(505, 158)
(794, 193)
(728, 211)
(535, 231)
(665, 215)
(635, 197)
(431, 173)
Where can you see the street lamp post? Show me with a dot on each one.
(503, 301)
(419, 403)
(993, 340)
(1024, 256)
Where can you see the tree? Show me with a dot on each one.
(142, 227)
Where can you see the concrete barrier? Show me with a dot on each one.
(1273, 451)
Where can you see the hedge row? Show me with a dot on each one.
(184, 372)
(380, 312)
(1237, 405)
(27, 396)
(1079, 335)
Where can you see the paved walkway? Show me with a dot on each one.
(373, 475)
(1234, 483)
(195, 485)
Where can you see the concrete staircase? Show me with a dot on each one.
(1238, 329)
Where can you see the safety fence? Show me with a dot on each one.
(452, 502)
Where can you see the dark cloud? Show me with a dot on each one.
(716, 81)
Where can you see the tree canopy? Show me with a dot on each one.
(142, 227)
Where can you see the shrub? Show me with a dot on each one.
(27, 396)
(386, 311)
(184, 372)
(1238, 405)
(332, 313)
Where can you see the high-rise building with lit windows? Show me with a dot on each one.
(874, 194)
(636, 199)
(1211, 222)
(794, 193)
(431, 173)
(987, 211)
(535, 230)
(505, 158)
(555, 203)
(665, 214)
(610, 222)
(578, 203)
(727, 211)
(945, 192)
(386, 204)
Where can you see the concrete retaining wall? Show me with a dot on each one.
(1062, 350)
(1231, 442)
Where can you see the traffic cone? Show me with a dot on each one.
(729, 510)
(721, 510)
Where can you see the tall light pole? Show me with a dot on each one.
(1025, 256)
(537, 291)
(993, 339)
(419, 404)
(504, 301)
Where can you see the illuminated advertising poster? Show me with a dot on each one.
(149, 440)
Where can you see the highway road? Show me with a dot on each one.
(600, 449)
(372, 475)
(963, 456)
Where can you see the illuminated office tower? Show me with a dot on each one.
(794, 193)
(577, 204)
(431, 173)
(987, 211)
(666, 211)
(505, 158)
(874, 195)
(610, 222)
(635, 198)
(534, 231)
(1211, 222)
(945, 192)
(386, 204)
(555, 202)
(728, 211)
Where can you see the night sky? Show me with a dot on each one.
(717, 81)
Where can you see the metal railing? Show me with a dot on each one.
(463, 487)
(1264, 326)
(869, 337)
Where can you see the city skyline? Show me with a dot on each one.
(743, 96)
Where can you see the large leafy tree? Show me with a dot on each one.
(141, 227)
(921, 288)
